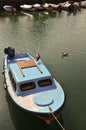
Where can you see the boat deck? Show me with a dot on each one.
(27, 69)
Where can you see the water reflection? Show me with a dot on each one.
(24, 121)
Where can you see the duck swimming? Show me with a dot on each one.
(64, 54)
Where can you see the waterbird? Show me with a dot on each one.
(37, 55)
(64, 54)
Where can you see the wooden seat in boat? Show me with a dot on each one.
(26, 64)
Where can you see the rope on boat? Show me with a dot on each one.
(55, 118)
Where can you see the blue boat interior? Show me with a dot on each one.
(34, 71)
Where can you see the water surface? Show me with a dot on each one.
(52, 35)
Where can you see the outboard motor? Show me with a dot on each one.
(10, 52)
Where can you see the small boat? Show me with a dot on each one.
(36, 5)
(65, 5)
(83, 4)
(9, 8)
(31, 86)
(70, 6)
(26, 7)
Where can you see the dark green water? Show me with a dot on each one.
(51, 35)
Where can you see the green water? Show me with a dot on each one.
(52, 35)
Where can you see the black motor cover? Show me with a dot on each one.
(10, 52)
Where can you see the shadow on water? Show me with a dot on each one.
(24, 121)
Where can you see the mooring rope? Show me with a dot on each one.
(55, 118)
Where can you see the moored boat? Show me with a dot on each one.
(9, 8)
(27, 7)
(31, 86)
(83, 4)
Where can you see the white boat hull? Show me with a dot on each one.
(34, 89)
